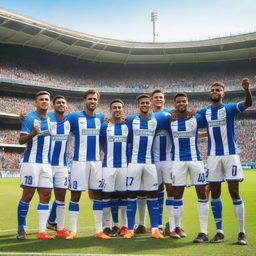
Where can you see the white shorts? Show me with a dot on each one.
(60, 177)
(222, 168)
(182, 169)
(145, 174)
(86, 175)
(164, 172)
(114, 179)
(36, 175)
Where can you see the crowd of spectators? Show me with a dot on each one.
(143, 79)
(10, 160)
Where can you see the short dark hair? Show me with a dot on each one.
(217, 83)
(91, 91)
(58, 97)
(156, 91)
(142, 96)
(180, 94)
(116, 101)
(42, 93)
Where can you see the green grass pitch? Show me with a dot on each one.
(86, 244)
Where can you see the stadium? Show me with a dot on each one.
(38, 56)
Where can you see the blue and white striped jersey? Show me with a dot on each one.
(184, 135)
(115, 144)
(142, 134)
(38, 148)
(86, 130)
(220, 128)
(60, 131)
(162, 143)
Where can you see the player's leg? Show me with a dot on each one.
(151, 186)
(96, 184)
(28, 182)
(198, 178)
(142, 206)
(167, 180)
(121, 194)
(108, 191)
(60, 212)
(43, 211)
(203, 211)
(23, 207)
(78, 183)
(234, 174)
(179, 180)
(60, 183)
(133, 183)
(215, 177)
(160, 195)
(44, 189)
(238, 207)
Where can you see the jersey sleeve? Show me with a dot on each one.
(163, 120)
(71, 119)
(103, 129)
(27, 124)
(201, 121)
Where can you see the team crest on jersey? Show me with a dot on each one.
(191, 125)
(152, 124)
(222, 113)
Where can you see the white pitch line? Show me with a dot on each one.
(72, 254)
(35, 230)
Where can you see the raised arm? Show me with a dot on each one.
(248, 95)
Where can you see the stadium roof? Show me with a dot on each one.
(25, 31)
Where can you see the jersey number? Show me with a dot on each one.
(201, 177)
(129, 181)
(28, 180)
(234, 170)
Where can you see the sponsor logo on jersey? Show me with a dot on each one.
(117, 138)
(144, 132)
(183, 134)
(216, 123)
(90, 132)
(60, 137)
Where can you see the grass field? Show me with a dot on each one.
(86, 244)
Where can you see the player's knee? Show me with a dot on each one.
(27, 197)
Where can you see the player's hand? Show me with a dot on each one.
(22, 115)
(191, 113)
(245, 83)
(37, 128)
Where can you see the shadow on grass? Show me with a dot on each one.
(90, 244)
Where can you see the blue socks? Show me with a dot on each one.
(131, 212)
(52, 216)
(22, 214)
(217, 212)
(153, 210)
(161, 207)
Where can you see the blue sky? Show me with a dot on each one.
(179, 20)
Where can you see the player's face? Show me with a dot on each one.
(158, 100)
(116, 110)
(60, 106)
(42, 102)
(217, 93)
(91, 101)
(181, 104)
(144, 105)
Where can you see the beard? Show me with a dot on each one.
(215, 99)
